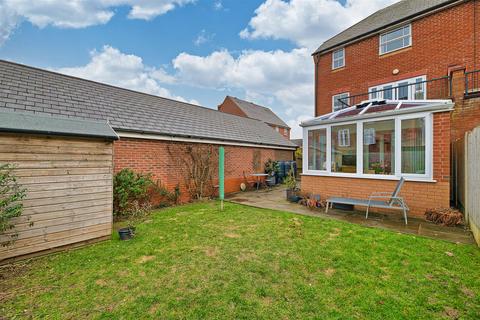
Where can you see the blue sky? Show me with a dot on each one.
(197, 51)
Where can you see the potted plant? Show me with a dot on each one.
(272, 168)
(291, 184)
(126, 233)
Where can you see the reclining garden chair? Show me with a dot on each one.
(390, 201)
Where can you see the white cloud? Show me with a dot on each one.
(124, 70)
(76, 13)
(149, 9)
(218, 5)
(278, 79)
(8, 22)
(203, 37)
(307, 22)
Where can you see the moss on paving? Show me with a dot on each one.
(196, 262)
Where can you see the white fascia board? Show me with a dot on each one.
(148, 136)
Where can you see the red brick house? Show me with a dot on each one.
(392, 94)
(251, 110)
(153, 131)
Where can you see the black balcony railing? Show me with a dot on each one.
(438, 88)
(472, 82)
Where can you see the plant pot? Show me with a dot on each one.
(292, 196)
(270, 181)
(126, 233)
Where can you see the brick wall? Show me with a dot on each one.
(228, 106)
(418, 195)
(439, 41)
(154, 156)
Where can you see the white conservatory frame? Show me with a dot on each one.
(428, 176)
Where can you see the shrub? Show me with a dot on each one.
(290, 181)
(131, 193)
(199, 164)
(11, 206)
(134, 194)
(272, 167)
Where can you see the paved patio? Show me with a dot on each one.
(275, 199)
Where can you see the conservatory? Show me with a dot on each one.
(365, 148)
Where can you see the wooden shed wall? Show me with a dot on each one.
(69, 190)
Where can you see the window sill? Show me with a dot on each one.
(338, 69)
(392, 53)
(370, 177)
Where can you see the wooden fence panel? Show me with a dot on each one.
(472, 181)
(69, 191)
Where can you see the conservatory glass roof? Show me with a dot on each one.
(379, 108)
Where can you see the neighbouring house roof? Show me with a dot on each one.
(395, 13)
(26, 89)
(261, 113)
(376, 109)
(298, 142)
(31, 123)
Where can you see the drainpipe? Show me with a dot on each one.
(475, 23)
(315, 60)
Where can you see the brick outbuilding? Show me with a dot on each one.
(153, 130)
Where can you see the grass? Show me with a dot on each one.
(196, 262)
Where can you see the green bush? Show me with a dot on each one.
(11, 196)
(272, 167)
(290, 181)
(131, 193)
(134, 194)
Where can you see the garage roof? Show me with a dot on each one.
(41, 92)
(29, 123)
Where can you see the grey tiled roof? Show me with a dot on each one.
(30, 90)
(297, 142)
(394, 13)
(255, 111)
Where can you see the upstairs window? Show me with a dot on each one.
(396, 39)
(406, 89)
(338, 59)
(337, 104)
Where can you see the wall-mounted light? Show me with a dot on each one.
(395, 71)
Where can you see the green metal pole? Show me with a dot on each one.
(221, 175)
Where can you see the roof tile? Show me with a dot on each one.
(382, 18)
(60, 95)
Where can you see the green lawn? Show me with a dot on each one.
(196, 262)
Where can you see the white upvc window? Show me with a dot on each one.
(338, 58)
(396, 39)
(344, 137)
(379, 148)
(407, 89)
(336, 104)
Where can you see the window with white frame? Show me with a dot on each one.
(413, 146)
(406, 89)
(379, 147)
(396, 39)
(344, 151)
(317, 149)
(388, 147)
(344, 137)
(336, 102)
(338, 58)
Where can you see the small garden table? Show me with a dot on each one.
(258, 177)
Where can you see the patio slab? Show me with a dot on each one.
(275, 199)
